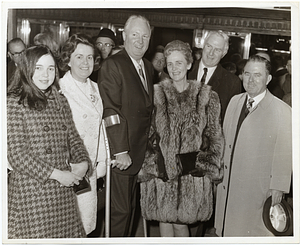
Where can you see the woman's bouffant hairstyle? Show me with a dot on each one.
(180, 46)
(69, 47)
(47, 39)
(22, 83)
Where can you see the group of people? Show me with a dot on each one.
(241, 142)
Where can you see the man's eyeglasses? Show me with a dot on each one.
(106, 44)
(17, 54)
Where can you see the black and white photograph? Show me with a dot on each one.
(150, 122)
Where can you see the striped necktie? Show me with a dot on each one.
(249, 105)
(141, 73)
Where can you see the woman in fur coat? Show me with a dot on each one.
(41, 140)
(186, 120)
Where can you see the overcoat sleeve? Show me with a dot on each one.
(19, 153)
(282, 159)
(210, 158)
(110, 87)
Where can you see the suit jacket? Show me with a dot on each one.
(262, 160)
(123, 93)
(223, 82)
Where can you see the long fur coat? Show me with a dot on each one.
(182, 121)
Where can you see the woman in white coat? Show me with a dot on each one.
(77, 59)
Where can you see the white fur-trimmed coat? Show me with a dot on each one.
(182, 120)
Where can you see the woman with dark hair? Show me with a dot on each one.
(186, 120)
(77, 58)
(41, 142)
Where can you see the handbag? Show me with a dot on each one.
(187, 164)
(83, 186)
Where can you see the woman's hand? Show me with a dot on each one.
(65, 178)
(80, 169)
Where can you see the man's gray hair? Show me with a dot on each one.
(221, 34)
(133, 17)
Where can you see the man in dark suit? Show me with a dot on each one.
(126, 87)
(222, 81)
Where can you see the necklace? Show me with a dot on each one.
(84, 87)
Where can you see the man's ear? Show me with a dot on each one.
(189, 66)
(269, 79)
(10, 55)
(124, 36)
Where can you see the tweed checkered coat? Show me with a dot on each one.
(38, 142)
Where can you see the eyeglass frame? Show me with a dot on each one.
(17, 54)
(106, 45)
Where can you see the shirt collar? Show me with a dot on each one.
(137, 63)
(210, 71)
(257, 98)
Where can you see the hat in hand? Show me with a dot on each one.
(279, 218)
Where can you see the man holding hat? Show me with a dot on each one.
(257, 157)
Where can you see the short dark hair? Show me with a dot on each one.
(260, 59)
(22, 83)
(69, 47)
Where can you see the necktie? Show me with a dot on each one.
(141, 73)
(204, 75)
(249, 105)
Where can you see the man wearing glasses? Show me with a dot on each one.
(105, 42)
(15, 48)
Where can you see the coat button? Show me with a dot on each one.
(225, 166)
(65, 148)
(46, 128)
(48, 151)
(230, 146)
(84, 116)
(224, 187)
(64, 127)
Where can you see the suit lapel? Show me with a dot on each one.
(192, 75)
(215, 79)
(149, 81)
(137, 79)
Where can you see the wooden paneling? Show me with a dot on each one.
(259, 21)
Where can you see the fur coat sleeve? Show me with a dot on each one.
(210, 157)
